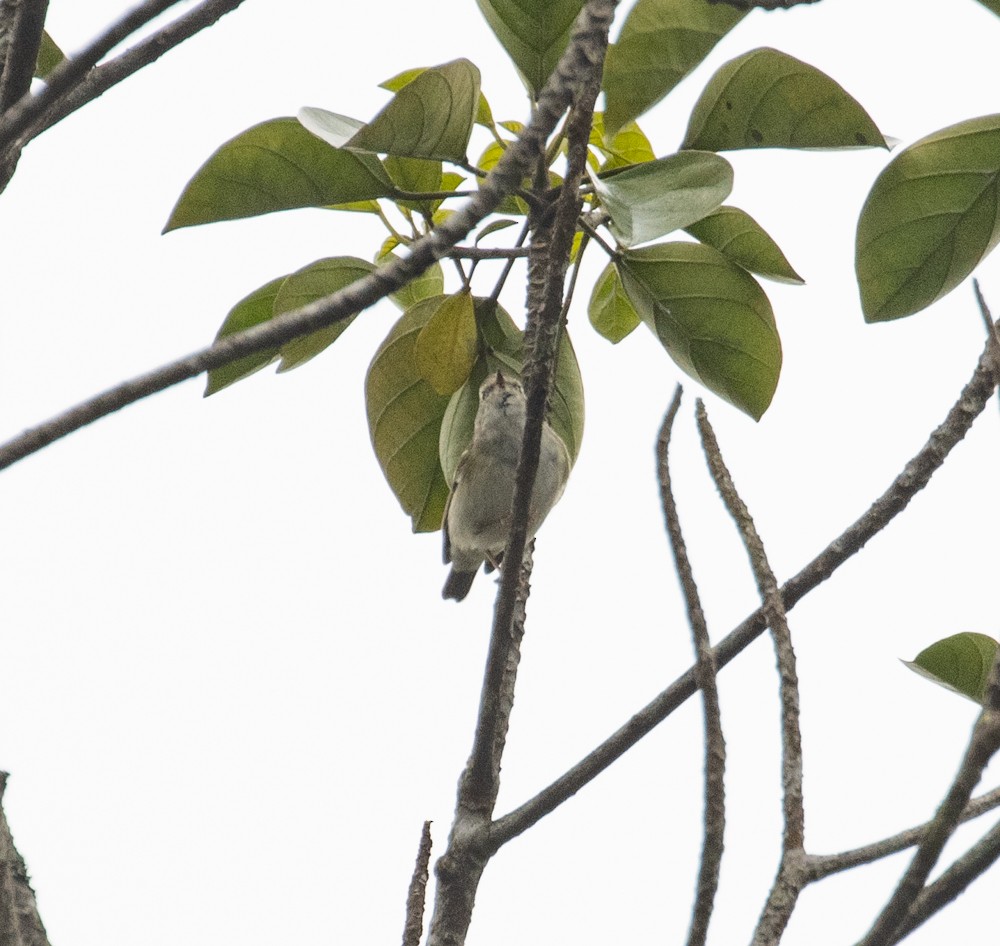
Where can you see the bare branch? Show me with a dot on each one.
(20, 924)
(791, 876)
(704, 669)
(983, 745)
(417, 893)
(761, 4)
(914, 477)
(823, 865)
(18, 66)
(488, 252)
(984, 311)
(974, 862)
(30, 108)
(575, 81)
(110, 73)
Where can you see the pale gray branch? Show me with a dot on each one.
(914, 477)
(791, 875)
(713, 832)
(20, 924)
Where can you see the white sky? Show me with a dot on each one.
(232, 692)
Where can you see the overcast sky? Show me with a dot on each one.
(232, 690)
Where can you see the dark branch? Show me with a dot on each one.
(713, 832)
(915, 476)
(22, 45)
(110, 73)
(791, 877)
(417, 894)
(30, 108)
(20, 924)
(983, 745)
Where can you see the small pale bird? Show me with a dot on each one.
(477, 514)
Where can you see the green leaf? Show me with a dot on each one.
(960, 663)
(767, 99)
(429, 117)
(308, 284)
(446, 347)
(493, 227)
(734, 233)
(249, 311)
(429, 283)
(661, 41)
(993, 5)
(49, 56)
(404, 421)
(414, 174)
(534, 33)
(711, 316)
(651, 199)
(610, 311)
(932, 215)
(277, 165)
(628, 146)
(503, 351)
(484, 115)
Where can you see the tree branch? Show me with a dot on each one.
(983, 745)
(914, 477)
(417, 893)
(110, 73)
(791, 877)
(18, 66)
(30, 108)
(504, 179)
(822, 865)
(974, 862)
(20, 924)
(575, 80)
(704, 669)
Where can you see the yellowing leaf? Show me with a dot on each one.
(445, 350)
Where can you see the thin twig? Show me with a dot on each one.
(983, 745)
(487, 252)
(498, 288)
(822, 865)
(416, 895)
(31, 108)
(103, 77)
(914, 477)
(973, 863)
(984, 311)
(713, 833)
(791, 877)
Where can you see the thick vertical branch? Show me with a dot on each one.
(574, 82)
(27, 20)
(705, 673)
(20, 924)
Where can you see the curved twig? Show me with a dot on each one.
(713, 833)
(791, 877)
(914, 477)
